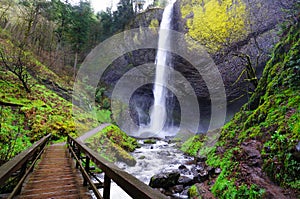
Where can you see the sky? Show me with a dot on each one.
(99, 5)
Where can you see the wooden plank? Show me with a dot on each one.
(45, 183)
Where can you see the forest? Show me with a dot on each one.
(46, 46)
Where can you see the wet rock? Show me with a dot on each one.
(202, 176)
(210, 170)
(296, 152)
(218, 171)
(164, 180)
(250, 151)
(185, 191)
(185, 180)
(142, 157)
(184, 170)
(200, 159)
(164, 153)
(196, 169)
(176, 189)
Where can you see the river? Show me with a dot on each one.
(151, 159)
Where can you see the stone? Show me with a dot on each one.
(203, 175)
(185, 181)
(201, 158)
(176, 188)
(181, 167)
(218, 171)
(210, 170)
(164, 180)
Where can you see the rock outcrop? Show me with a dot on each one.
(262, 25)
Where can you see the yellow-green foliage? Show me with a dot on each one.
(215, 23)
(154, 23)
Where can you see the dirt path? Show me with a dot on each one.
(93, 131)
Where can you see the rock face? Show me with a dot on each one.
(264, 18)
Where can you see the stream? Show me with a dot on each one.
(151, 159)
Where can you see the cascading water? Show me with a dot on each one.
(158, 112)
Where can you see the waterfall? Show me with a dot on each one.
(158, 112)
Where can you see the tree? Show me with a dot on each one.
(216, 24)
(106, 21)
(82, 18)
(16, 62)
(5, 6)
(122, 15)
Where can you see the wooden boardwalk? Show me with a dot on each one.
(54, 177)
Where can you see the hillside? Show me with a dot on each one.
(28, 116)
(258, 150)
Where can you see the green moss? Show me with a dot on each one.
(272, 118)
(149, 141)
(33, 115)
(113, 144)
(193, 145)
(193, 192)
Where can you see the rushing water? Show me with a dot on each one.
(161, 156)
(151, 159)
(158, 113)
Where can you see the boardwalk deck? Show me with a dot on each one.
(54, 177)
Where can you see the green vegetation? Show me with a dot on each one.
(193, 192)
(267, 127)
(27, 117)
(193, 144)
(149, 141)
(113, 144)
(40, 41)
(215, 24)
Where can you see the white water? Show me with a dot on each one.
(158, 114)
(151, 159)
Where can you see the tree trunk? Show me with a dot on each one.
(75, 64)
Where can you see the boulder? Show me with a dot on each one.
(164, 180)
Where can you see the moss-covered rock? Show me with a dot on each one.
(149, 141)
(113, 144)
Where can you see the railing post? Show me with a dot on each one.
(70, 142)
(87, 169)
(106, 191)
(78, 155)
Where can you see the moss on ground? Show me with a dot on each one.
(113, 144)
(27, 117)
(271, 119)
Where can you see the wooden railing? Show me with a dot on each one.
(131, 185)
(17, 169)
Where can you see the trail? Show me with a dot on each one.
(93, 132)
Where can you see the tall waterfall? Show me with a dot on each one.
(158, 112)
